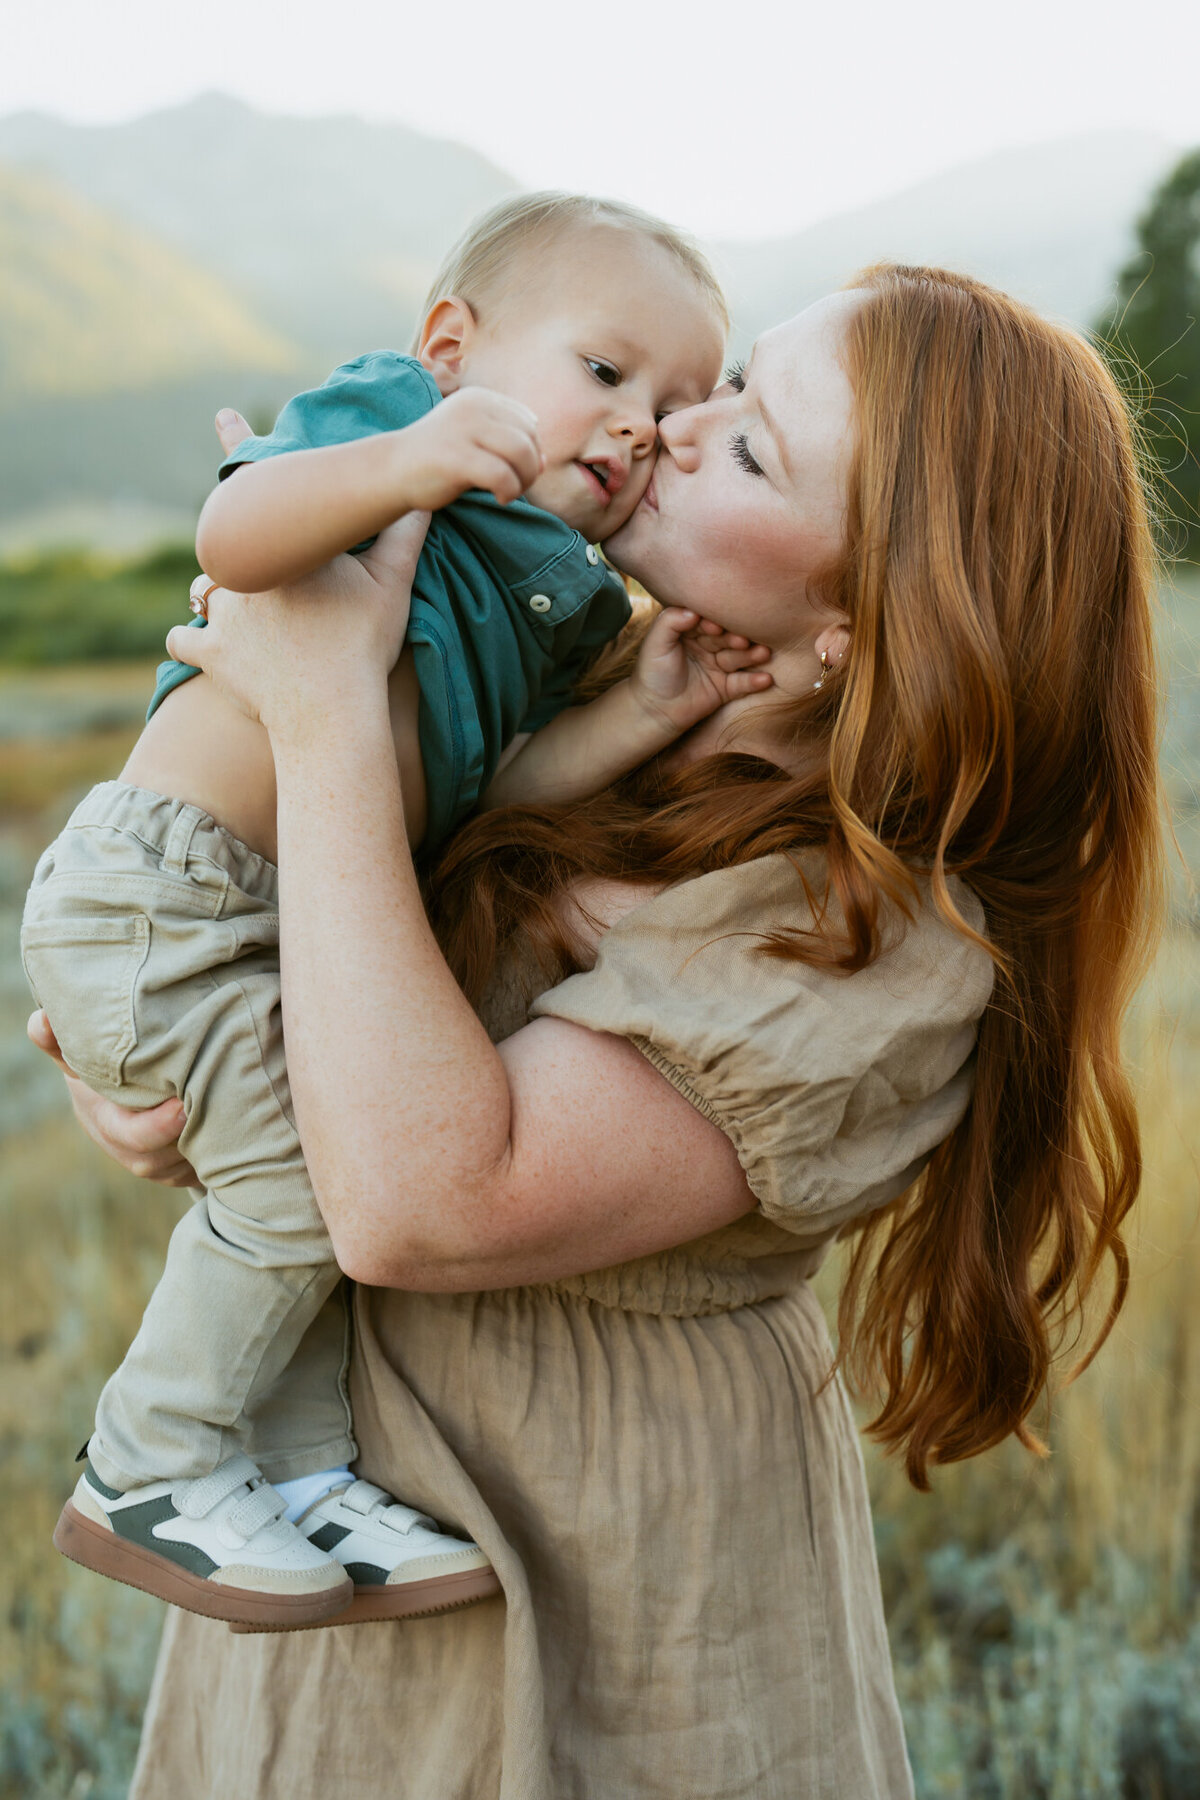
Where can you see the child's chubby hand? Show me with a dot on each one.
(476, 438)
(688, 666)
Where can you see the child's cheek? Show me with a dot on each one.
(626, 501)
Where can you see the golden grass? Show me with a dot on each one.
(30, 784)
(83, 1246)
(1045, 1616)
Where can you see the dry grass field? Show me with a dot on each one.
(1045, 1616)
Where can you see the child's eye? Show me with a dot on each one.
(603, 371)
(735, 375)
(741, 454)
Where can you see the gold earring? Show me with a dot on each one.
(817, 685)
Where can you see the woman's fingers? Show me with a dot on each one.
(231, 429)
(393, 555)
(146, 1143)
(186, 646)
(39, 1032)
(140, 1133)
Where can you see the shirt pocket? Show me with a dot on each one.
(83, 968)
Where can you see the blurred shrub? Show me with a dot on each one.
(1152, 340)
(76, 607)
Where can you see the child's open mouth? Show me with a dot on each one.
(605, 477)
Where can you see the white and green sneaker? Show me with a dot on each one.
(402, 1564)
(219, 1545)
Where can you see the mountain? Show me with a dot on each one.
(1051, 223)
(210, 254)
(90, 305)
(329, 229)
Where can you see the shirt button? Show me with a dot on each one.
(540, 603)
(593, 555)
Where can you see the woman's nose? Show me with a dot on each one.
(678, 435)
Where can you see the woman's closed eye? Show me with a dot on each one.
(735, 377)
(742, 455)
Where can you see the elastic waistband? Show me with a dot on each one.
(175, 830)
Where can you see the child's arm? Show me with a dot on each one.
(686, 668)
(274, 522)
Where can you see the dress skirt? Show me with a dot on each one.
(677, 1511)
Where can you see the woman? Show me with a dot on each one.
(864, 946)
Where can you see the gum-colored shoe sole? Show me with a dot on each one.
(413, 1600)
(95, 1548)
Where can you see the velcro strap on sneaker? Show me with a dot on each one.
(361, 1496)
(195, 1498)
(262, 1506)
(373, 1502)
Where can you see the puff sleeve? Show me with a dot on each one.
(834, 1089)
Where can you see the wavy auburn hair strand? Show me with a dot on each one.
(1000, 561)
(995, 719)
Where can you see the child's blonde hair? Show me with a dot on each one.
(482, 260)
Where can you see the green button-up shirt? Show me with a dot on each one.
(509, 604)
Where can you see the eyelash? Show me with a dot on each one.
(741, 454)
(735, 375)
(595, 363)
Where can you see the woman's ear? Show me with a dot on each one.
(445, 340)
(832, 642)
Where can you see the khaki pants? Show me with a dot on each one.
(151, 937)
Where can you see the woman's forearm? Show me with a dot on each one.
(439, 1161)
(402, 1101)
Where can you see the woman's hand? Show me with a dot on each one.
(291, 656)
(145, 1143)
(295, 656)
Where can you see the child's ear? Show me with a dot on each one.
(445, 340)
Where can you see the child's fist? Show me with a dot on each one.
(475, 439)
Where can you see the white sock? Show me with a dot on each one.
(301, 1492)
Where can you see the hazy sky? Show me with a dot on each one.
(748, 118)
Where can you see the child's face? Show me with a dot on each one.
(601, 343)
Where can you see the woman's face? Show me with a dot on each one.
(748, 498)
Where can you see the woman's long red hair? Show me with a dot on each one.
(995, 718)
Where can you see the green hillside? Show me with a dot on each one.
(90, 304)
(329, 227)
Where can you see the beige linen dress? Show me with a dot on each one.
(671, 1493)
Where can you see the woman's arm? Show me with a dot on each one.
(439, 1161)
(579, 1095)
